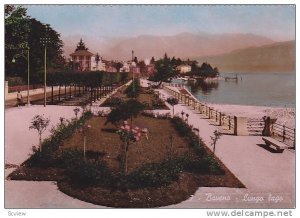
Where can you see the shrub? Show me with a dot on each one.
(114, 101)
(172, 101)
(204, 165)
(48, 157)
(133, 90)
(155, 174)
(158, 103)
(85, 173)
(186, 131)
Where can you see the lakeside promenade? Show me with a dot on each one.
(269, 177)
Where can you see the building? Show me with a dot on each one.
(184, 68)
(83, 58)
(110, 69)
(101, 66)
(150, 69)
(126, 67)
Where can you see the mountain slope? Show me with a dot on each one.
(276, 57)
(182, 45)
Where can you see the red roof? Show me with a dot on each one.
(81, 53)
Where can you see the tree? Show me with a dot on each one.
(21, 32)
(152, 61)
(206, 70)
(129, 134)
(172, 101)
(17, 28)
(81, 46)
(133, 90)
(124, 111)
(40, 124)
(164, 71)
(214, 139)
(135, 60)
(142, 66)
(97, 59)
(76, 111)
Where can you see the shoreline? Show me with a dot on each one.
(284, 115)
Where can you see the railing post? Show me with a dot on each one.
(283, 133)
(209, 112)
(220, 119)
(294, 144)
(235, 125)
(229, 122)
(216, 116)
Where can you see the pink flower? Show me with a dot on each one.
(145, 130)
(125, 122)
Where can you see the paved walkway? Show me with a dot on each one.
(267, 176)
(261, 171)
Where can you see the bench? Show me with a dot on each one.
(279, 145)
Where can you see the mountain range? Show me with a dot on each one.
(225, 51)
(276, 57)
(182, 45)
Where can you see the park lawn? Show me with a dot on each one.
(144, 97)
(163, 142)
(103, 139)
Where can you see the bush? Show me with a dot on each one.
(84, 173)
(87, 174)
(172, 101)
(158, 103)
(137, 88)
(155, 174)
(114, 101)
(186, 131)
(48, 157)
(204, 165)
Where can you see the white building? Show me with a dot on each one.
(184, 68)
(97, 67)
(126, 67)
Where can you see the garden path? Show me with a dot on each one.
(264, 173)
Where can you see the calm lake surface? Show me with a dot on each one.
(259, 89)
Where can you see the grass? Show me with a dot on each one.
(104, 139)
(152, 180)
(145, 96)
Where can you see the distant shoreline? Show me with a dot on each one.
(255, 72)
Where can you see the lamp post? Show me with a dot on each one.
(45, 40)
(132, 58)
(28, 70)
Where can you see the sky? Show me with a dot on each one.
(273, 21)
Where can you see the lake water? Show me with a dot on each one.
(259, 89)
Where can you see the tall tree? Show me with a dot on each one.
(152, 61)
(97, 59)
(22, 32)
(17, 28)
(81, 46)
(164, 71)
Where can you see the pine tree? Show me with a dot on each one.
(81, 46)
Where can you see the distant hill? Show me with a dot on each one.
(276, 57)
(182, 45)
